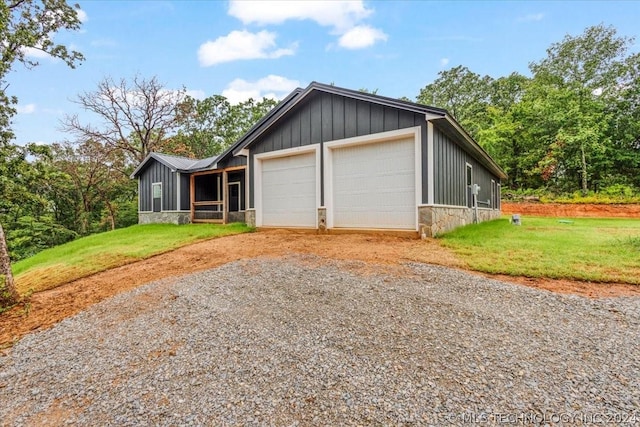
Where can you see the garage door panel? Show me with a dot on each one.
(374, 185)
(289, 191)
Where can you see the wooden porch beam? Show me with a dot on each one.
(225, 192)
(192, 196)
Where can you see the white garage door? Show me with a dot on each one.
(289, 191)
(374, 185)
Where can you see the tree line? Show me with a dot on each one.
(53, 193)
(573, 125)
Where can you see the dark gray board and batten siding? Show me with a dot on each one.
(450, 173)
(325, 117)
(157, 172)
(185, 196)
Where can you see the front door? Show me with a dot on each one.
(234, 196)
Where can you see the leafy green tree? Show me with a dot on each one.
(463, 93)
(27, 25)
(25, 206)
(624, 126)
(578, 79)
(211, 125)
(503, 134)
(575, 124)
(97, 180)
(24, 25)
(204, 125)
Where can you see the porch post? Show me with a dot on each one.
(192, 195)
(225, 191)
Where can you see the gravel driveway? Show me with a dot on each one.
(308, 341)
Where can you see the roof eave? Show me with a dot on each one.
(484, 157)
(141, 166)
(236, 147)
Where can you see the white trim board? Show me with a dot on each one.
(229, 184)
(431, 175)
(161, 196)
(178, 206)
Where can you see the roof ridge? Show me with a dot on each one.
(172, 155)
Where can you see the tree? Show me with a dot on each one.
(578, 78)
(625, 128)
(462, 93)
(136, 117)
(24, 25)
(97, 178)
(503, 135)
(8, 291)
(26, 209)
(211, 125)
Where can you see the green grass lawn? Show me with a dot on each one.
(602, 250)
(92, 254)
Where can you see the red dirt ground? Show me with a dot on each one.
(571, 210)
(44, 309)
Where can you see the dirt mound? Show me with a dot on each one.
(572, 210)
(44, 309)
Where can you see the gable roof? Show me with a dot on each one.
(438, 116)
(235, 148)
(175, 163)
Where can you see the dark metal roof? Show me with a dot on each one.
(175, 163)
(207, 163)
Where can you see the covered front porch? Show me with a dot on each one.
(218, 196)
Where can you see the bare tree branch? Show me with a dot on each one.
(135, 117)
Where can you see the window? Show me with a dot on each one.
(494, 202)
(469, 180)
(156, 190)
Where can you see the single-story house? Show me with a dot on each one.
(329, 158)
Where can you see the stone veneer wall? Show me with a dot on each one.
(164, 217)
(322, 220)
(236, 217)
(250, 217)
(435, 220)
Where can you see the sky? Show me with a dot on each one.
(243, 49)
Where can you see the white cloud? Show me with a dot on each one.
(340, 15)
(239, 45)
(343, 17)
(196, 93)
(82, 15)
(360, 37)
(272, 86)
(36, 53)
(444, 62)
(531, 17)
(26, 109)
(32, 52)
